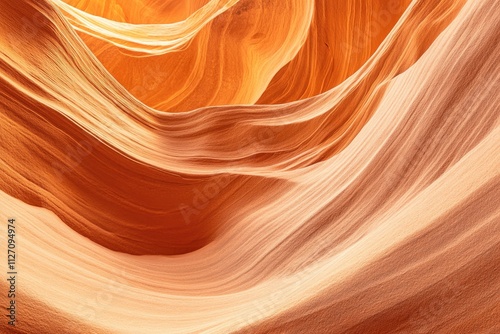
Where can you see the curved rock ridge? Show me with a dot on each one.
(251, 166)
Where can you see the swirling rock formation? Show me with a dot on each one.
(252, 166)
